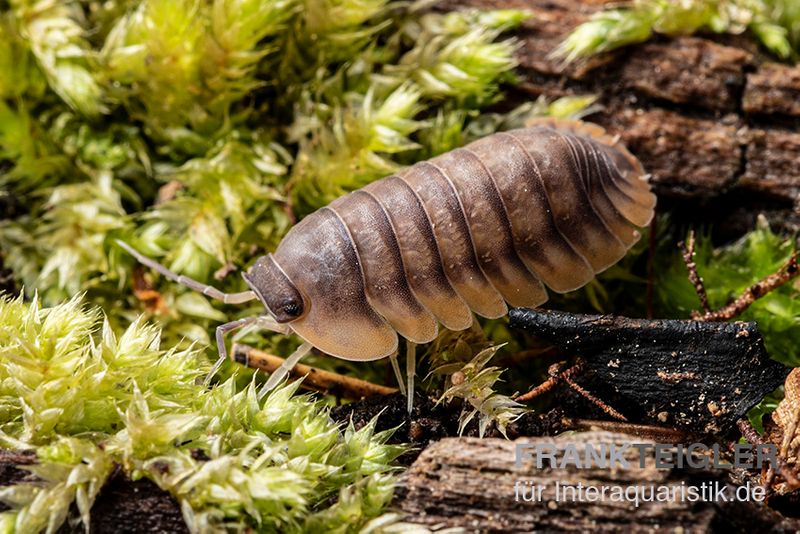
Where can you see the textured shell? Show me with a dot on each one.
(497, 221)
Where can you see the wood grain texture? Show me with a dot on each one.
(468, 483)
(691, 375)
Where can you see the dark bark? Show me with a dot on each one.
(123, 505)
(131, 507)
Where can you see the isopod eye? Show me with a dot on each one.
(293, 309)
(279, 295)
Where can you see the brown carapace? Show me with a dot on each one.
(492, 224)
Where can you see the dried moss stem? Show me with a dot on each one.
(550, 383)
(688, 251)
(556, 376)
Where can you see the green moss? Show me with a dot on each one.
(729, 270)
(774, 23)
(56, 37)
(199, 132)
(87, 399)
(476, 387)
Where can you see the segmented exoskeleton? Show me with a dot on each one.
(493, 223)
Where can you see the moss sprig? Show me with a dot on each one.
(474, 383)
(774, 23)
(56, 35)
(726, 272)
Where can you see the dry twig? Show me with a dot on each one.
(785, 274)
(315, 379)
(754, 438)
(594, 400)
(651, 268)
(688, 249)
(550, 383)
(556, 376)
(659, 434)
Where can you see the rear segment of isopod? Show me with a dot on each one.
(574, 214)
(537, 239)
(624, 177)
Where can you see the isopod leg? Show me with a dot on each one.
(398, 375)
(221, 350)
(281, 372)
(267, 323)
(209, 291)
(411, 368)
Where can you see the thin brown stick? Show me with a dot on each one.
(550, 383)
(556, 376)
(785, 274)
(651, 268)
(313, 378)
(660, 434)
(749, 432)
(688, 249)
(591, 398)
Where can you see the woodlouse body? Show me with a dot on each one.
(494, 222)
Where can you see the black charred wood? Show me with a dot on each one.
(698, 376)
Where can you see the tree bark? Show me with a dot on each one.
(712, 119)
(123, 506)
(470, 483)
(692, 375)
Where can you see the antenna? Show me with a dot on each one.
(209, 291)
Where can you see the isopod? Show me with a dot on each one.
(473, 230)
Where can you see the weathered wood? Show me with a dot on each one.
(686, 155)
(712, 118)
(687, 71)
(773, 89)
(470, 483)
(698, 376)
(772, 163)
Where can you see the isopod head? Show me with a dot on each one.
(274, 289)
(315, 268)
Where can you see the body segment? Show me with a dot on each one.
(495, 222)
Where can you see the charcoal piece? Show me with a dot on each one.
(698, 376)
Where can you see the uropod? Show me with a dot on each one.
(473, 230)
